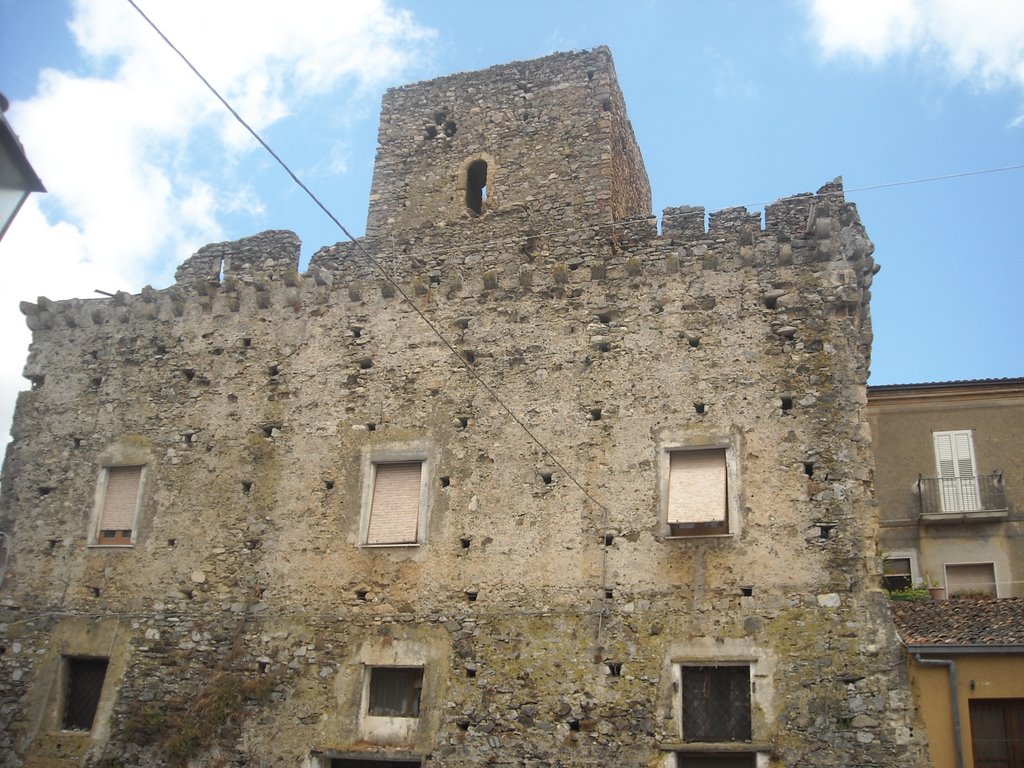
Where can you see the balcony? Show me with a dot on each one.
(980, 498)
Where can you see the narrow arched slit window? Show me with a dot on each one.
(476, 185)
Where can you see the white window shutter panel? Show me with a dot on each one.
(121, 499)
(395, 507)
(697, 486)
(958, 483)
(944, 454)
(964, 454)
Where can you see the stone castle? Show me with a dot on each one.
(514, 480)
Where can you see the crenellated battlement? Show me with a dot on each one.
(800, 230)
(259, 273)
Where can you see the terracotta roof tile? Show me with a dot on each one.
(961, 622)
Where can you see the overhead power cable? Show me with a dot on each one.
(937, 178)
(398, 288)
(703, 212)
(362, 249)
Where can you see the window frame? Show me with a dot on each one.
(100, 501)
(732, 494)
(903, 554)
(1009, 711)
(761, 665)
(391, 730)
(416, 703)
(371, 460)
(957, 492)
(995, 575)
(680, 675)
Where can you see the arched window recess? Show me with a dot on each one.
(476, 186)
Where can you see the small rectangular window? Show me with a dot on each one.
(341, 762)
(896, 573)
(395, 504)
(698, 492)
(395, 691)
(716, 703)
(82, 696)
(120, 505)
(971, 579)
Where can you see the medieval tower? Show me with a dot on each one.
(515, 480)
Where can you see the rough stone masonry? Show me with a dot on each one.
(269, 518)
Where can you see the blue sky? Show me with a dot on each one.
(733, 103)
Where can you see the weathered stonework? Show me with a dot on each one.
(550, 624)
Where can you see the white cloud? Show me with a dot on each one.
(140, 161)
(981, 41)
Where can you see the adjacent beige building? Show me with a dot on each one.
(949, 480)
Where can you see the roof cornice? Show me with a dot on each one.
(1003, 391)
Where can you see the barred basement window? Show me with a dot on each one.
(82, 695)
(395, 691)
(396, 502)
(120, 505)
(716, 703)
(341, 762)
(698, 492)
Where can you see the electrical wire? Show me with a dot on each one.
(362, 249)
(703, 212)
(697, 211)
(937, 178)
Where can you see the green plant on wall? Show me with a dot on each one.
(195, 726)
(910, 594)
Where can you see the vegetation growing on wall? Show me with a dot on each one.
(182, 730)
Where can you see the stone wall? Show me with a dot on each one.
(507, 116)
(546, 604)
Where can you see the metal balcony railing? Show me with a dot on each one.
(981, 493)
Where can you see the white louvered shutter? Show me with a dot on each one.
(944, 454)
(697, 487)
(963, 454)
(954, 459)
(121, 499)
(395, 507)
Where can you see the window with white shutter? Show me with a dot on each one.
(958, 476)
(119, 506)
(396, 503)
(698, 492)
